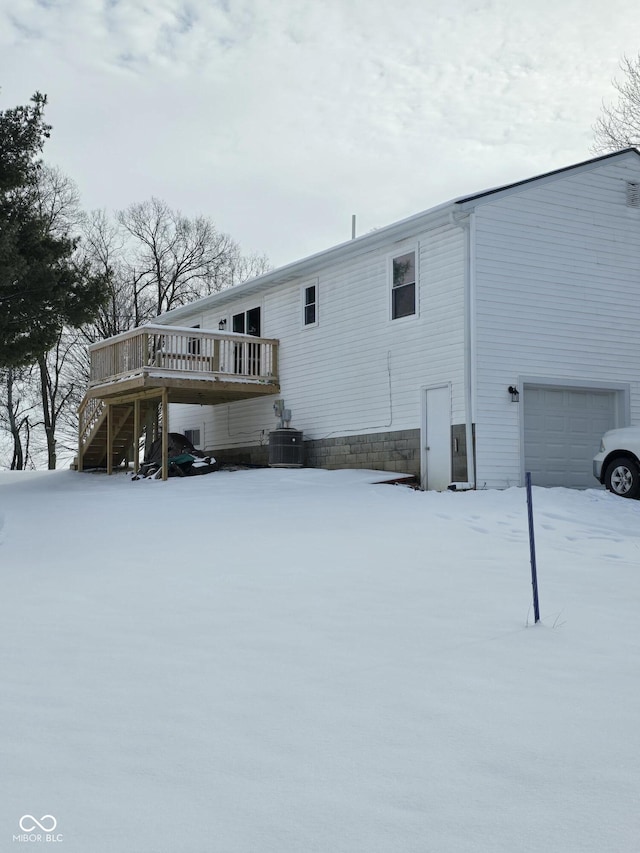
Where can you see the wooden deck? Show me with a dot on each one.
(154, 365)
(214, 365)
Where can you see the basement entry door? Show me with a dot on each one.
(562, 431)
(436, 439)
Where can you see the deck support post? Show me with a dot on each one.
(136, 436)
(165, 433)
(80, 447)
(109, 438)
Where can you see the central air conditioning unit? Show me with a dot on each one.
(286, 445)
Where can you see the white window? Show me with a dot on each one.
(310, 304)
(193, 435)
(403, 285)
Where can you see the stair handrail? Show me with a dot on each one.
(89, 413)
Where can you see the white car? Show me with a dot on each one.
(617, 466)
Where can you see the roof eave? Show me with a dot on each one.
(401, 230)
(472, 201)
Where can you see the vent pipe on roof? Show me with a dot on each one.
(353, 226)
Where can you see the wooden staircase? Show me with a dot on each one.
(154, 366)
(94, 434)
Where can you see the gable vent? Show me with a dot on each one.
(633, 194)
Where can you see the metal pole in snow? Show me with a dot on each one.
(532, 548)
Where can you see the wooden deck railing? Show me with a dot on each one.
(176, 351)
(89, 414)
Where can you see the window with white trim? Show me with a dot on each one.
(403, 285)
(193, 435)
(310, 304)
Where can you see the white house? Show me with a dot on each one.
(491, 335)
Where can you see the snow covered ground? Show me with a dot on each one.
(287, 661)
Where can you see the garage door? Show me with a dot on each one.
(562, 431)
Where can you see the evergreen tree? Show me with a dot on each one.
(42, 287)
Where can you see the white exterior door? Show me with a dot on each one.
(562, 431)
(436, 438)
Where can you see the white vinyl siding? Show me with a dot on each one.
(554, 282)
(557, 295)
(358, 373)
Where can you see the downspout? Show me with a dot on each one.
(470, 346)
(467, 223)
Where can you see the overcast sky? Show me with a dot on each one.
(278, 119)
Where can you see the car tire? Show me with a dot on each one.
(623, 477)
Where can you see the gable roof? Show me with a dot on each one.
(585, 165)
(404, 229)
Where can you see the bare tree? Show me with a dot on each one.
(103, 248)
(61, 386)
(173, 260)
(155, 259)
(619, 125)
(17, 412)
(242, 268)
(56, 377)
(57, 201)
